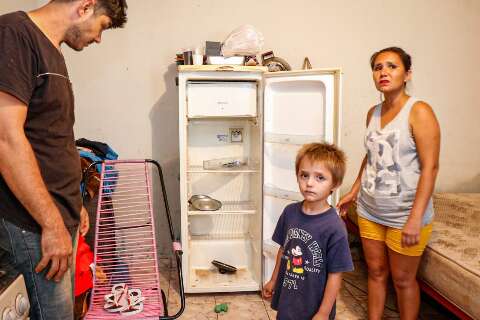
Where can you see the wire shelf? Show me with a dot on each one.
(240, 169)
(229, 207)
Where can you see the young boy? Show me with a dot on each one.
(313, 241)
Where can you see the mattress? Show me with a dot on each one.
(451, 262)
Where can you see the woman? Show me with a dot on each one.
(394, 185)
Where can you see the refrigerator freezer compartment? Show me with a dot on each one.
(221, 99)
(205, 277)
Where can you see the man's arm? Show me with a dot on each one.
(334, 283)
(20, 170)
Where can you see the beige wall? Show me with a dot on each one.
(125, 87)
(15, 5)
(126, 96)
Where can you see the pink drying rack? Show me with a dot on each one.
(125, 239)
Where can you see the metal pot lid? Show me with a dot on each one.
(198, 196)
(206, 204)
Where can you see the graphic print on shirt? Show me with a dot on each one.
(297, 261)
(303, 255)
(382, 172)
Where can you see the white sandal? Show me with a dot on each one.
(123, 300)
(117, 301)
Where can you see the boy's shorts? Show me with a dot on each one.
(393, 237)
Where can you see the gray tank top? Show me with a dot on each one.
(389, 181)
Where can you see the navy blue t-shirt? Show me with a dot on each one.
(313, 247)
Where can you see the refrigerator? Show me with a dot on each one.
(239, 131)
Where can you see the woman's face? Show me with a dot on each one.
(389, 73)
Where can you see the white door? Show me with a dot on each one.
(299, 107)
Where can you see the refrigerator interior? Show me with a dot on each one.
(298, 109)
(224, 162)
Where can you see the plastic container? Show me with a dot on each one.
(225, 163)
(235, 60)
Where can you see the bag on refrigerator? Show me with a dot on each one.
(243, 41)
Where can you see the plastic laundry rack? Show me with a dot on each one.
(126, 244)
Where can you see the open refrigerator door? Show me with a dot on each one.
(299, 107)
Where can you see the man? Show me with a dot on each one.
(40, 201)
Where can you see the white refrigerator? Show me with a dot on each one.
(239, 131)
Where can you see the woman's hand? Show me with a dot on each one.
(345, 202)
(268, 290)
(411, 232)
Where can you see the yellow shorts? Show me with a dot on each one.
(393, 237)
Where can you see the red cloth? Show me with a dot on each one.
(83, 273)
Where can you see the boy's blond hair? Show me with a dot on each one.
(331, 156)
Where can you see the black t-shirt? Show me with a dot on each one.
(34, 71)
(313, 247)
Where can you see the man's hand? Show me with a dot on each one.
(84, 222)
(56, 249)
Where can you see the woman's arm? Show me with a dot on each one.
(426, 132)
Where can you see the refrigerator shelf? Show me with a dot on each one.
(211, 280)
(252, 118)
(220, 236)
(269, 190)
(229, 207)
(270, 248)
(204, 277)
(293, 139)
(219, 212)
(242, 169)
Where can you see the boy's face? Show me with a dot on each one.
(314, 180)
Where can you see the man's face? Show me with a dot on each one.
(86, 32)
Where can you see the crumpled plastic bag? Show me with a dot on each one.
(243, 41)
